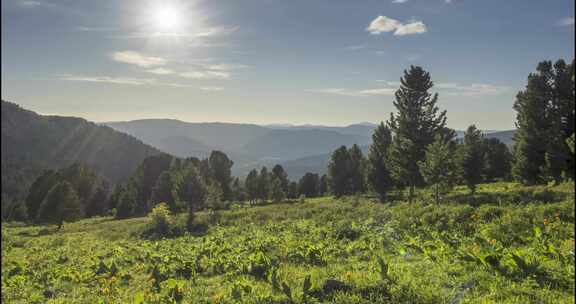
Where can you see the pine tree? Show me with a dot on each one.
(324, 185)
(471, 160)
(126, 206)
(497, 160)
(38, 191)
(252, 185)
(309, 185)
(220, 167)
(439, 167)
(279, 173)
(277, 194)
(530, 139)
(166, 191)
(379, 175)
(98, 203)
(357, 170)
(339, 171)
(60, 205)
(293, 190)
(264, 184)
(415, 126)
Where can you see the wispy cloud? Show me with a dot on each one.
(566, 22)
(399, 1)
(383, 24)
(161, 71)
(108, 79)
(29, 3)
(135, 58)
(355, 93)
(206, 75)
(471, 90)
(212, 89)
(355, 47)
(388, 88)
(120, 80)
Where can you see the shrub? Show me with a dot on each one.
(162, 223)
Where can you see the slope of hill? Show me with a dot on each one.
(33, 142)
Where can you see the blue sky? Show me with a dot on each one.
(330, 62)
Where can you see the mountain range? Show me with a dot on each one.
(298, 148)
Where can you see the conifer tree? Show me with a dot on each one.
(279, 173)
(339, 171)
(379, 175)
(220, 167)
(357, 170)
(60, 205)
(263, 184)
(251, 185)
(471, 160)
(438, 167)
(414, 126)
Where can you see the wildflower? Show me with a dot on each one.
(348, 275)
(216, 298)
(493, 242)
(546, 222)
(105, 291)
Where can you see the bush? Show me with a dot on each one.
(162, 223)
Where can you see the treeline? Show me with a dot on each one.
(414, 148)
(65, 195)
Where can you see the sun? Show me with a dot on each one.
(167, 20)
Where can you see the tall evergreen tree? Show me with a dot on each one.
(220, 167)
(414, 126)
(126, 206)
(544, 119)
(264, 184)
(379, 173)
(438, 167)
(339, 171)
(38, 191)
(497, 160)
(279, 173)
(166, 191)
(251, 185)
(324, 185)
(98, 203)
(309, 185)
(293, 190)
(471, 160)
(277, 194)
(357, 170)
(61, 204)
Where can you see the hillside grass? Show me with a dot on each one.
(507, 244)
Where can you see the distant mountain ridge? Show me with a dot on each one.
(33, 142)
(299, 148)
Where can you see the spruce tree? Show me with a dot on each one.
(497, 160)
(339, 171)
(98, 203)
(38, 191)
(251, 185)
(324, 185)
(438, 167)
(357, 170)
(220, 167)
(263, 184)
(379, 175)
(279, 173)
(414, 126)
(277, 194)
(165, 191)
(60, 205)
(471, 160)
(309, 185)
(531, 142)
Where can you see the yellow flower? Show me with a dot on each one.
(493, 242)
(348, 275)
(546, 222)
(105, 291)
(216, 298)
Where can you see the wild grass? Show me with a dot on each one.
(507, 244)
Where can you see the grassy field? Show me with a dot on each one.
(508, 244)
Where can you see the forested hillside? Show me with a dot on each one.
(32, 142)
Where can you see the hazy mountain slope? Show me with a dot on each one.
(32, 142)
(208, 136)
(293, 144)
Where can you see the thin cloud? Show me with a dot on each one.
(383, 24)
(566, 22)
(472, 90)
(29, 4)
(355, 47)
(212, 89)
(138, 59)
(206, 75)
(120, 80)
(399, 1)
(355, 93)
(161, 71)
